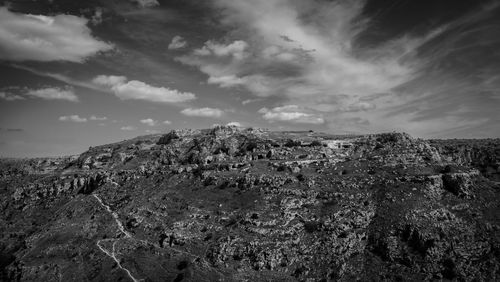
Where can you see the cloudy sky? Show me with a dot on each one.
(75, 74)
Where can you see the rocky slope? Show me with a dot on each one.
(232, 204)
(483, 154)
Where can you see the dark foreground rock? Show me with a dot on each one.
(232, 204)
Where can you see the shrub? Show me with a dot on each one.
(292, 143)
(316, 143)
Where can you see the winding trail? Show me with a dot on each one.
(112, 254)
(127, 234)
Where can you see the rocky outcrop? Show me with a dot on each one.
(235, 204)
(461, 183)
(483, 155)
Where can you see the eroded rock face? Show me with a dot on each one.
(460, 184)
(484, 155)
(235, 204)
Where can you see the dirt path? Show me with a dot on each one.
(112, 253)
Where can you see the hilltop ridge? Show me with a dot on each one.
(246, 204)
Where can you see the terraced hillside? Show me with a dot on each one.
(233, 204)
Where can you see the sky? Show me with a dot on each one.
(75, 74)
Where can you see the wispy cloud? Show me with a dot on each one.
(128, 128)
(167, 122)
(178, 42)
(45, 38)
(77, 118)
(248, 101)
(236, 49)
(59, 77)
(291, 113)
(53, 93)
(307, 57)
(93, 117)
(146, 3)
(73, 118)
(316, 62)
(137, 90)
(203, 112)
(10, 97)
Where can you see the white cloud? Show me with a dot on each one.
(93, 117)
(203, 112)
(146, 3)
(149, 121)
(138, 90)
(128, 128)
(248, 101)
(317, 56)
(237, 49)
(109, 80)
(45, 38)
(226, 81)
(177, 43)
(234, 123)
(10, 97)
(291, 113)
(167, 122)
(53, 93)
(306, 54)
(73, 118)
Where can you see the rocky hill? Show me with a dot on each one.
(233, 204)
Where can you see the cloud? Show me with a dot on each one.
(235, 49)
(234, 123)
(167, 122)
(26, 37)
(317, 55)
(291, 113)
(152, 131)
(73, 118)
(77, 118)
(309, 54)
(10, 97)
(177, 43)
(226, 81)
(138, 90)
(128, 128)
(146, 3)
(221, 62)
(359, 106)
(93, 117)
(53, 93)
(203, 112)
(59, 77)
(110, 80)
(149, 121)
(97, 17)
(248, 101)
